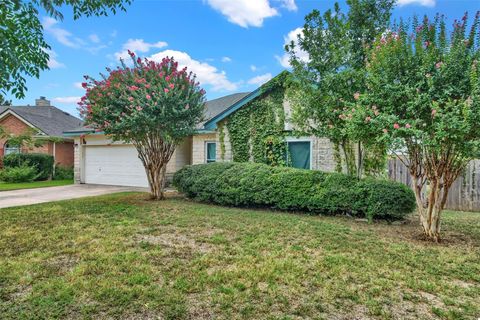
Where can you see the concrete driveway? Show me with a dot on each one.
(41, 195)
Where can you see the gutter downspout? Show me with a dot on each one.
(54, 158)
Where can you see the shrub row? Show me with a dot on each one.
(42, 163)
(259, 185)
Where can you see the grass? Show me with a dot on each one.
(5, 186)
(121, 256)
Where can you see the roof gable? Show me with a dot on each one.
(278, 80)
(48, 119)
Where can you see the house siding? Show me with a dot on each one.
(198, 146)
(64, 153)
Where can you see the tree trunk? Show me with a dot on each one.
(155, 154)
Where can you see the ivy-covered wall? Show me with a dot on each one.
(256, 131)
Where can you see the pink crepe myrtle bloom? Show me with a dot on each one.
(130, 98)
(356, 96)
(367, 119)
(166, 90)
(408, 126)
(171, 86)
(396, 126)
(167, 78)
(148, 97)
(439, 64)
(385, 130)
(139, 108)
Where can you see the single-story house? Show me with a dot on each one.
(248, 126)
(48, 124)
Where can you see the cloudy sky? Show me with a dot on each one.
(232, 45)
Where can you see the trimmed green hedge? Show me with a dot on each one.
(43, 163)
(259, 185)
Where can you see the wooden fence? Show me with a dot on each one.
(464, 194)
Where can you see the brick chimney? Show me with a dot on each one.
(42, 102)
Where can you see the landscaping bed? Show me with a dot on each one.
(259, 185)
(122, 256)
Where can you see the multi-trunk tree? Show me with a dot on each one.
(423, 100)
(334, 75)
(153, 105)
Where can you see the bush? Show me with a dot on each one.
(259, 185)
(42, 162)
(63, 173)
(19, 174)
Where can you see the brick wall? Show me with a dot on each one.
(15, 126)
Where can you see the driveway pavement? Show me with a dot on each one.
(41, 195)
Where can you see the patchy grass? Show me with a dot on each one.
(4, 186)
(121, 256)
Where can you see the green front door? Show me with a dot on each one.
(299, 154)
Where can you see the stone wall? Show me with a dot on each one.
(198, 147)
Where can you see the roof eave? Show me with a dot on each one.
(212, 123)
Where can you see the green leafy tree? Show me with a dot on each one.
(333, 76)
(4, 102)
(24, 50)
(152, 105)
(423, 101)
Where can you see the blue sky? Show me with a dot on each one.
(232, 45)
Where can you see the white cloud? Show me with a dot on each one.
(138, 45)
(290, 5)
(66, 100)
(253, 68)
(94, 38)
(301, 55)
(53, 63)
(244, 13)
(78, 85)
(259, 80)
(426, 3)
(206, 73)
(226, 59)
(63, 36)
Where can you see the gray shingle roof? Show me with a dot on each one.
(213, 108)
(217, 106)
(51, 120)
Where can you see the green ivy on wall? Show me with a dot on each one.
(256, 130)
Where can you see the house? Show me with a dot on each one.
(48, 124)
(248, 126)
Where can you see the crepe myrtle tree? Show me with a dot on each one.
(423, 101)
(153, 105)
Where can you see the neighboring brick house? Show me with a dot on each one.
(48, 121)
(99, 160)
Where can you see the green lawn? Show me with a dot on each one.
(121, 256)
(4, 186)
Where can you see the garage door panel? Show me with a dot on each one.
(114, 165)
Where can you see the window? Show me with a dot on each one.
(210, 152)
(10, 148)
(299, 154)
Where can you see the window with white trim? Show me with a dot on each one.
(210, 151)
(10, 148)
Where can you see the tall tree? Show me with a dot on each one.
(24, 50)
(333, 76)
(154, 106)
(423, 100)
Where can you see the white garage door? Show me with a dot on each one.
(114, 165)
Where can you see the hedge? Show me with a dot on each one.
(259, 185)
(43, 163)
